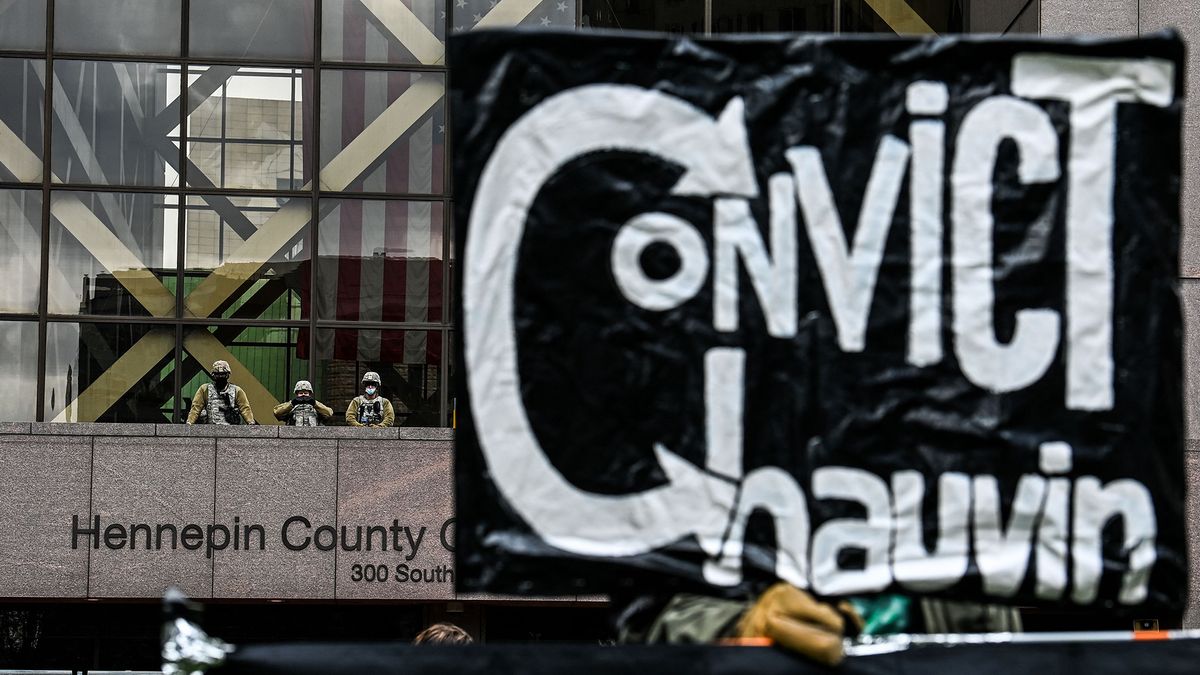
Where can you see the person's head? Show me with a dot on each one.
(220, 372)
(303, 389)
(370, 383)
(443, 634)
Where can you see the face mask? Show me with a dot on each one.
(220, 378)
(370, 390)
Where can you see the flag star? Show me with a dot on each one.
(458, 29)
(491, 4)
(441, 128)
(562, 6)
(476, 17)
(545, 21)
(460, 4)
(443, 14)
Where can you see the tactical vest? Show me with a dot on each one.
(303, 415)
(222, 405)
(370, 412)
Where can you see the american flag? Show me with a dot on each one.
(382, 260)
(379, 260)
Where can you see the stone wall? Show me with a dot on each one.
(397, 480)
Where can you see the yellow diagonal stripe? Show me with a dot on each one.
(119, 377)
(900, 17)
(400, 21)
(507, 13)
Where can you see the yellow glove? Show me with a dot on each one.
(796, 620)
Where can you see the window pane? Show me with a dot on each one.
(265, 361)
(115, 123)
(20, 249)
(380, 261)
(905, 17)
(246, 127)
(408, 361)
(18, 353)
(765, 16)
(247, 257)
(997, 16)
(376, 32)
(113, 254)
(109, 372)
(681, 16)
(23, 24)
(362, 149)
(276, 29)
(545, 14)
(21, 112)
(117, 26)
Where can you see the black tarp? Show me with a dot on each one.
(864, 314)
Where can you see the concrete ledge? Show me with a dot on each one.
(426, 434)
(365, 433)
(9, 428)
(218, 430)
(92, 428)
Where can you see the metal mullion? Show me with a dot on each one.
(18, 54)
(444, 379)
(29, 187)
(114, 189)
(181, 223)
(388, 67)
(176, 60)
(243, 141)
(199, 191)
(185, 321)
(315, 186)
(379, 325)
(44, 266)
(394, 196)
(18, 316)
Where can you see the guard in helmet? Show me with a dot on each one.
(304, 410)
(220, 402)
(370, 409)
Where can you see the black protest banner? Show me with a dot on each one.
(859, 314)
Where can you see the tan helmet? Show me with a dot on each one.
(372, 376)
(220, 367)
(303, 385)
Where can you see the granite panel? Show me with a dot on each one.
(373, 433)
(1190, 290)
(93, 428)
(1093, 16)
(167, 481)
(218, 430)
(1156, 15)
(7, 428)
(1191, 618)
(45, 483)
(406, 487)
(265, 482)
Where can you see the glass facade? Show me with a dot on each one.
(267, 182)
